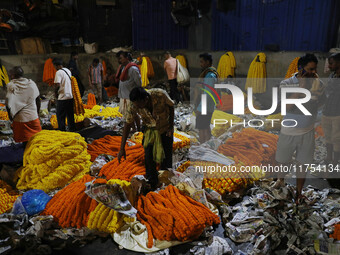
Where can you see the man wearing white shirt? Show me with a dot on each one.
(62, 82)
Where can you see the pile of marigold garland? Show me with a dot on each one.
(7, 197)
(170, 215)
(53, 159)
(71, 207)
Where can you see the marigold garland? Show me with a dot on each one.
(104, 68)
(257, 74)
(111, 91)
(49, 72)
(251, 146)
(108, 144)
(219, 129)
(126, 169)
(144, 72)
(336, 233)
(183, 166)
(96, 111)
(3, 76)
(7, 197)
(78, 103)
(226, 65)
(170, 215)
(71, 207)
(319, 132)
(52, 159)
(227, 103)
(107, 220)
(181, 59)
(91, 101)
(180, 140)
(293, 68)
(137, 137)
(4, 115)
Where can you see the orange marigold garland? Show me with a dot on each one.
(319, 132)
(170, 215)
(91, 101)
(49, 72)
(293, 68)
(71, 207)
(127, 169)
(111, 91)
(107, 145)
(227, 103)
(251, 147)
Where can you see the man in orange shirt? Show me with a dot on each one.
(170, 66)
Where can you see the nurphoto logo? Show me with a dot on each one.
(238, 104)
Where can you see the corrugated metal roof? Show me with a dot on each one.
(292, 25)
(154, 28)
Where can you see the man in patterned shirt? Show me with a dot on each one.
(156, 110)
(96, 78)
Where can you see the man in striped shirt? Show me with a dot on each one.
(95, 78)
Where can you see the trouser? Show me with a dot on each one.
(98, 91)
(104, 94)
(174, 93)
(150, 164)
(331, 128)
(65, 110)
(80, 86)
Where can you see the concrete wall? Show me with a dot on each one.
(277, 64)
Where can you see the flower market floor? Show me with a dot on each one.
(255, 217)
(106, 246)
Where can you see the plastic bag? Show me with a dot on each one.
(34, 201)
(182, 74)
(99, 162)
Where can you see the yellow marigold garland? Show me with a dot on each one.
(105, 112)
(144, 72)
(78, 102)
(3, 115)
(107, 220)
(257, 74)
(7, 197)
(137, 137)
(183, 167)
(52, 159)
(219, 129)
(180, 141)
(182, 60)
(226, 65)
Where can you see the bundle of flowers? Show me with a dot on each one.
(53, 159)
